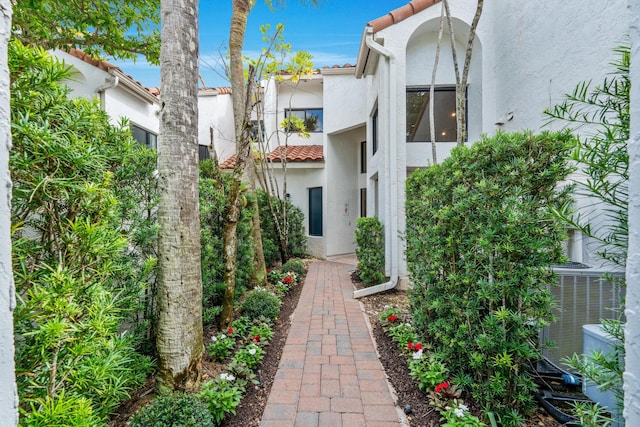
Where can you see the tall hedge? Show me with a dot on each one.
(480, 242)
(370, 250)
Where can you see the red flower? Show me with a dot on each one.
(230, 330)
(268, 271)
(442, 386)
(288, 280)
(392, 318)
(417, 347)
(410, 345)
(256, 338)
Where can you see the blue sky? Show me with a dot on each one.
(330, 32)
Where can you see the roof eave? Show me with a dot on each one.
(134, 87)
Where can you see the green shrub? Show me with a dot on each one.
(480, 243)
(250, 355)
(69, 411)
(296, 265)
(221, 396)
(370, 250)
(80, 260)
(212, 206)
(221, 347)
(263, 331)
(291, 230)
(175, 410)
(261, 302)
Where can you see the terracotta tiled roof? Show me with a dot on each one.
(338, 66)
(401, 14)
(295, 153)
(107, 66)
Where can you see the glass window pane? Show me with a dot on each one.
(315, 211)
(418, 124)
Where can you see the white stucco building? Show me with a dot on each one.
(121, 97)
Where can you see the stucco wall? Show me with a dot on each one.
(216, 112)
(8, 393)
(342, 199)
(632, 328)
(544, 48)
(304, 94)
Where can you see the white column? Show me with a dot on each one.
(8, 392)
(632, 329)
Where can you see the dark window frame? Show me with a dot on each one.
(144, 136)
(288, 111)
(315, 212)
(363, 157)
(363, 202)
(374, 130)
(448, 119)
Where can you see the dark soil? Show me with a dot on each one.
(413, 400)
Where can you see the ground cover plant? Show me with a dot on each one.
(480, 242)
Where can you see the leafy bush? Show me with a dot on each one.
(480, 242)
(261, 330)
(77, 279)
(250, 355)
(370, 250)
(288, 229)
(212, 206)
(221, 347)
(261, 302)
(62, 410)
(175, 410)
(221, 396)
(296, 265)
(428, 371)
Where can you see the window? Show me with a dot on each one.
(203, 153)
(144, 137)
(363, 202)
(315, 211)
(257, 131)
(444, 106)
(374, 130)
(312, 118)
(363, 157)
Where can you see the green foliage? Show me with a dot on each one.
(603, 113)
(261, 302)
(119, 28)
(296, 265)
(221, 347)
(288, 229)
(221, 396)
(370, 250)
(428, 371)
(480, 243)
(174, 410)
(68, 411)
(241, 325)
(76, 281)
(262, 330)
(250, 355)
(212, 205)
(403, 334)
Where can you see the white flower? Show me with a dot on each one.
(417, 355)
(252, 351)
(214, 339)
(222, 336)
(458, 412)
(463, 407)
(227, 377)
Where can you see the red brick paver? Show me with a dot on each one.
(329, 373)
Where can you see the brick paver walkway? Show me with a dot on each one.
(329, 373)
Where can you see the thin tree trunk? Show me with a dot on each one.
(239, 16)
(461, 89)
(179, 335)
(432, 123)
(462, 79)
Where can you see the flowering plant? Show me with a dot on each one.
(459, 416)
(251, 355)
(221, 347)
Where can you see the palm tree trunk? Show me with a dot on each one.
(179, 334)
(432, 123)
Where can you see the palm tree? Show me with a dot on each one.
(179, 335)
